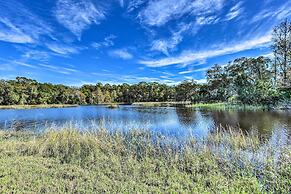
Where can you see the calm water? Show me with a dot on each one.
(172, 121)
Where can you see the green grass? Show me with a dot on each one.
(160, 104)
(227, 106)
(68, 161)
(112, 106)
(37, 106)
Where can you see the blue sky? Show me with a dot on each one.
(77, 42)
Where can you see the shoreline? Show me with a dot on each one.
(213, 106)
(3, 107)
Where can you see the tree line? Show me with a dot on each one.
(257, 80)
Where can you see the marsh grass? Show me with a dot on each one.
(161, 104)
(139, 161)
(228, 106)
(37, 106)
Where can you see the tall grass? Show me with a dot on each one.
(228, 106)
(139, 161)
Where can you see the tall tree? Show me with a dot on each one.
(282, 49)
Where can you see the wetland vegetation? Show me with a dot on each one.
(141, 162)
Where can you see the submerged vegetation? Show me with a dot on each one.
(248, 81)
(139, 162)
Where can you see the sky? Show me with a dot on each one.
(76, 42)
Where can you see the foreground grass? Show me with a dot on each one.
(138, 162)
(37, 106)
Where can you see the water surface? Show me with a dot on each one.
(180, 122)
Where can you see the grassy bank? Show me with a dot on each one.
(161, 104)
(135, 162)
(226, 106)
(37, 106)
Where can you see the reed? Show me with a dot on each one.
(139, 161)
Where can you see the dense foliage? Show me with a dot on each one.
(245, 80)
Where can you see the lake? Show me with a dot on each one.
(171, 121)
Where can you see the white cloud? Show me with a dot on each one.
(185, 72)
(78, 15)
(192, 56)
(108, 41)
(62, 49)
(36, 55)
(134, 4)
(121, 53)
(164, 45)
(279, 13)
(200, 81)
(56, 69)
(20, 25)
(24, 64)
(11, 33)
(235, 11)
(158, 13)
(203, 20)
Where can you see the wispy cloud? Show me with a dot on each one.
(10, 33)
(235, 11)
(185, 72)
(107, 42)
(134, 4)
(78, 15)
(23, 62)
(56, 69)
(158, 13)
(278, 13)
(192, 56)
(121, 53)
(164, 45)
(19, 25)
(36, 55)
(203, 20)
(62, 49)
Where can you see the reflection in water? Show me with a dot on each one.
(261, 123)
(179, 122)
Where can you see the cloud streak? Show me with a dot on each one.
(235, 11)
(192, 56)
(19, 25)
(62, 49)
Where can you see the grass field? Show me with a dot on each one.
(68, 161)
